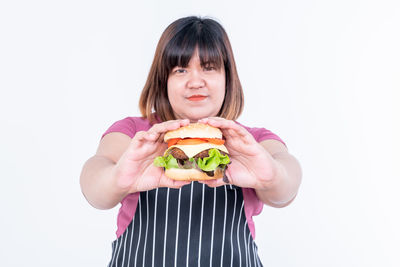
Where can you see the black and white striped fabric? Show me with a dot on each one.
(192, 226)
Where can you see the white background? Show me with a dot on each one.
(323, 75)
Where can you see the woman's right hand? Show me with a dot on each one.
(135, 171)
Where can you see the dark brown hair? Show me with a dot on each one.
(176, 46)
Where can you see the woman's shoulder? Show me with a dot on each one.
(129, 126)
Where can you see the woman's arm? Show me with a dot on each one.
(123, 166)
(284, 186)
(97, 180)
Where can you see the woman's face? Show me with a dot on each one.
(195, 92)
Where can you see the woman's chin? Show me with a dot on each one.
(194, 117)
(194, 113)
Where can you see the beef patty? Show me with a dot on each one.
(179, 154)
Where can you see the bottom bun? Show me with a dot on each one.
(192, 174)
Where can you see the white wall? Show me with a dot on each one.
(324, 75)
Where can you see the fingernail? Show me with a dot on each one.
(152, 135)
(225, 179)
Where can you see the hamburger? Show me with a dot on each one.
(195, 152)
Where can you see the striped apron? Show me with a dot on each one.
(192, 226)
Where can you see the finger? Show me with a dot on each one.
(151, 136)
(213, 118)
(213, 183)
(177, 184)
(229, 133)
(172, 125)
(138, 139)
(161, 128)
(168, 182)
(142, 145)
(222, 124)
(228, 177)
(225, 179)
(155, 133)
(204, 120)
(142, 138)
(241, 133)
(232, 138)
(226, 124)
(139, 136)
(160, 138)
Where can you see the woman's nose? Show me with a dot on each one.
(196, 80)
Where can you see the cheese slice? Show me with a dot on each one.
(192, 150)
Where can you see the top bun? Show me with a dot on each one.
(194, 130)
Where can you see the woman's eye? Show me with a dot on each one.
(209, 68)
(180, 70)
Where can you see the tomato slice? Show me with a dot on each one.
(173, 141)
(216, 141)
(195, 141)
(192, 141)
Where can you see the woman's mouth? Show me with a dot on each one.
(196, 97)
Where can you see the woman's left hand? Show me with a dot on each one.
(251, 164)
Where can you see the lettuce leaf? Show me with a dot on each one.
(210, 163)
(214, 159)
(166, 162)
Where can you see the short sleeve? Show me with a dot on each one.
(263, 134)
(126, 126)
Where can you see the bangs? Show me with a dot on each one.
(182, 47)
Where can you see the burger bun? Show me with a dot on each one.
(192, 174)
(194, 130)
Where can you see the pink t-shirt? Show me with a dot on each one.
(130, 125)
